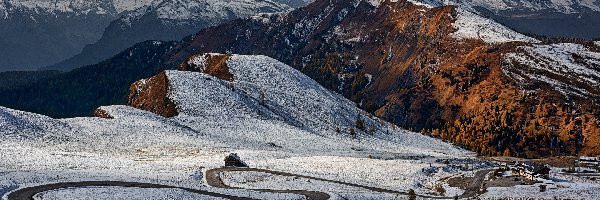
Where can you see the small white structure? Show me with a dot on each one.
(531, 171)
(585, 161)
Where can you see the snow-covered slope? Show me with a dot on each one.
(563, 18)
(273, 98)
(469, 24)
(563, 6)
(271, 114)
(570, 68)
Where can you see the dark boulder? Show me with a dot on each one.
(233, 160)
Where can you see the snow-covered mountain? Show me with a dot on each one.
(273, 116)
(35, 32)
(72, 7)
(554, 18)
(421, 67)
(169, 20)
(562, 6)
(38, 33)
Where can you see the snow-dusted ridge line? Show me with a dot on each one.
(560, 6)
(210, 12)
(572, 62)
(76, 7)
(471, 25)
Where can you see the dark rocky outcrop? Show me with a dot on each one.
(213, 64)
(102, 114)
(233, 160)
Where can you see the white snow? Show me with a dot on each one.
(291, 129)
(572, 62)
(78, 7)
(562, 6)
(209, 12)
(473, 26)
(119, 193)
(376, 3)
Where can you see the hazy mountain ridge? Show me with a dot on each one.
(71, 7)
(168, 20)
(35, 33)
(556, 18)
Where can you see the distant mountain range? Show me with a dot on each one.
(34, 33)
(556, 18)
(52, 34)
(168, 20)
(67, 34)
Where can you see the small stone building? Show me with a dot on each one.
(233, 160)
(531, 171)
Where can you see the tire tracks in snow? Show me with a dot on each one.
(28, 193)
(213, 179)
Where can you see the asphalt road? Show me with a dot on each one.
(213, 179)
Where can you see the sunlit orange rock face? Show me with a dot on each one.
(400, 62)
(152, 95)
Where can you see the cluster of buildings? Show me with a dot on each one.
(591, 162)
(531, 171)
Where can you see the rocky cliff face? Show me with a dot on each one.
(153, 95)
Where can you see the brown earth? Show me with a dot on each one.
(152, 95)
(102, 114)
(216, 65)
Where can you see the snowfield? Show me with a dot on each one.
(271, 115)
(569, 68)
(91, 193)
(274, 118)
(473, 26)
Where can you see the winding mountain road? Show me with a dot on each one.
(213, 179)
(28, 193)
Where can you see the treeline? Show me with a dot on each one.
(16, 79)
